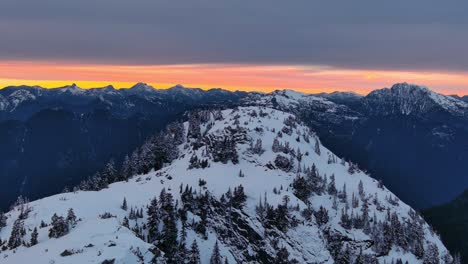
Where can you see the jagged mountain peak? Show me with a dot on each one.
(406, 99)
(142, 87)
(72, 89)
(290, 99)
(253, 180)
(181, 89)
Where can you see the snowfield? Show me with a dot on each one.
(96, 240)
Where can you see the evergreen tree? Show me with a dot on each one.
(238, 197)
(194, 254)
(168, 242)
(321, 216)
(317, 146)
(343, 196)
(354, 201)
(135, 163)
(362, 194)
(124, 204)
(71, 217)
(126, 170)
(216, 255)
(276, 147)
(182, 253)
(301, 189)
(153, 220)
(17, 233)
(126, 223)
(3, 220)
(331, 186)
(34, 236)
(109, 174)
(432, 254)
(59, 227)
(257, 148)
(345, 222)
(314, 181)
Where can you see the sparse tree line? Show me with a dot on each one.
(58, 227)
(406, 234)
(159, 149)
(164, 223)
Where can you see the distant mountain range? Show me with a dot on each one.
(53, 138)
(411, 137)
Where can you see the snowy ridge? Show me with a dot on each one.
(404, 98)
(293, 204)
(290, 99)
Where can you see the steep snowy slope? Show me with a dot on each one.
(253, 180)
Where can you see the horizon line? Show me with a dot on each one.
(309, 79)
(88, 86)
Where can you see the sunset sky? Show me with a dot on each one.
(354, 46)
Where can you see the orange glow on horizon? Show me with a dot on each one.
(265, 78)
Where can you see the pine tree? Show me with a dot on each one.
(153, 220)
(17, 233)
(124, 204)
(321, 216)
(125, 222)
(109, 174)
(3, 220)
(301, 188)
(276, 147)
(126, 170)
(71, 217)
(432, 255)
(238, 197)
(362, 194)
(216, 255)
(257, 148)
(331, 186)
(317, 146)
(182, 252)
(59, 227)
(34, 236)
(135, 163)
(194, 254)
(314, 181)
(345, 222)
(343, 196)
(168, 242)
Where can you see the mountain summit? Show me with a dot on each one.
(406, 99)
(243, 185)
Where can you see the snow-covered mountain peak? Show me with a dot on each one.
(180, 90)
(404, 98)
(253, 182)
(142, 87)
(72, 89)
(288, 99)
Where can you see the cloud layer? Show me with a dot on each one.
(380, 35)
